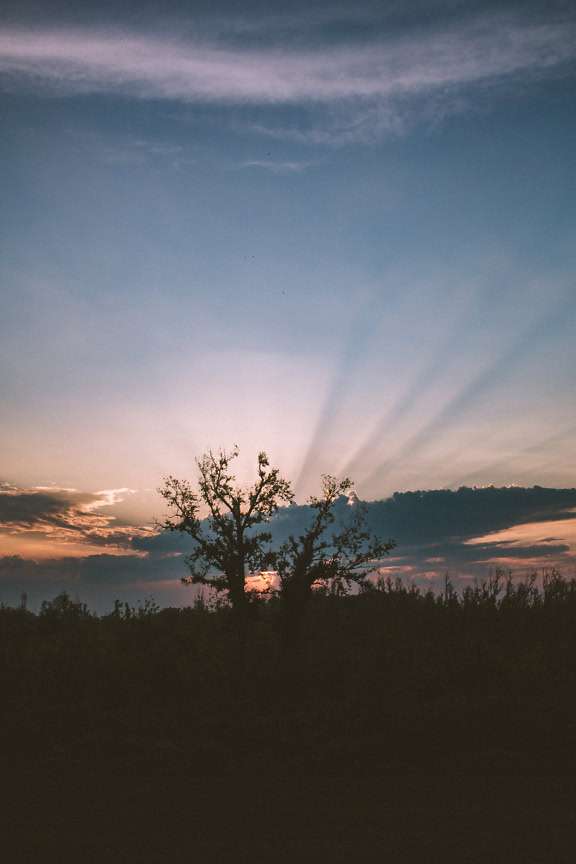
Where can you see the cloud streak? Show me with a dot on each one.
(376, 76)
(276, 167)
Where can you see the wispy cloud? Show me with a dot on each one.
(370, 80)
(138, 152)
(120, 149)
(276, 167)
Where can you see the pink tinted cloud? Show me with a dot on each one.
(212, 70)
(65, 516)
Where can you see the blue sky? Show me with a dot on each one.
(342, 234)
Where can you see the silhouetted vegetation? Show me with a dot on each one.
(318, 560)
(227, 549)
(421, 727)
(392, 670)
(227, 543)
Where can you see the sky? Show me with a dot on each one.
(340, 233)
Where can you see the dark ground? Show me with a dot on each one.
(160, 810)
(413, 728)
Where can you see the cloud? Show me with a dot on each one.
(429, 516)
(102, 569)
(19, 572)
(449, 526)
(137, 152)
(368, 84)
(163, 543)
(108, 497)
(455, 526)
(276, 167)
(65, 515)
(122, 569)
(436, 531)
(27, 508)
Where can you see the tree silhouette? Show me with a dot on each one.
(225, 542)
(317, 559)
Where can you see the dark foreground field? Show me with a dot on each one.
(411, 729)
(428, 811)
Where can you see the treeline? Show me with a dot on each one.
(390, 672)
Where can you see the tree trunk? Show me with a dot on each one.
(293, 601)
(237, 594)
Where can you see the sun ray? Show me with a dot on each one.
(479, 387)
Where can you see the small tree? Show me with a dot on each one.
(316, 559)
(62, 606)
(224, 542)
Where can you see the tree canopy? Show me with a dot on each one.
(227, 549)
(225, 542)
(317, 558)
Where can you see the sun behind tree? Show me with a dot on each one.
(224, 541)
(228, 552)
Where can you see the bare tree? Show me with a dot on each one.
(318, 558)
(226, 548)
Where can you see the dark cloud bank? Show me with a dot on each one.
(53, 507)
(431, 529)
(65, 515)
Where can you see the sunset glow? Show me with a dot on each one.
(347, 240)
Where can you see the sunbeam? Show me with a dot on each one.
(480, 386)
(515, 456)
(342, 237)
(451, 345)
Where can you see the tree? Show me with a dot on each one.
(224, 541)
(316, 559)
